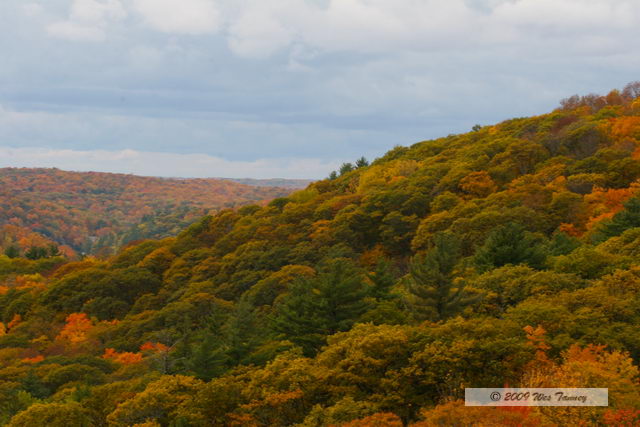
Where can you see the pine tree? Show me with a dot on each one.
(208, 359)
(362, 162)
(382, 280)
(622, 221)
(316, 307)
(12, 251)
(510, 244)
(346, 168)
(436, 295)
(241, 334)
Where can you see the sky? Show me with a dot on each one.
(287, 88)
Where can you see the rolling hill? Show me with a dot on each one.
(505, 256)
(89, 211)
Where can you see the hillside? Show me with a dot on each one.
(507, 255)
(86, 212)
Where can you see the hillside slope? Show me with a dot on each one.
(87, 211)
(508, 255)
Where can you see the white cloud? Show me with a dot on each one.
(70, 30)
(180, 16)
(32, 9)
(88, 20)
(259, 28)
(163, 164)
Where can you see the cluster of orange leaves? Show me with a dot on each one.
(125, 358)
(154, 347)
(536, 339)
(622, 417)
(35, 359)
(128, 358)
(605, 203)
(76, 328)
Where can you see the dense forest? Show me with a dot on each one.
(89, 212)
(504, 256)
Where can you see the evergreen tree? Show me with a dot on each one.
(345, 168)
(382, 280)
(53, 250)
(12, 251)
(510, 244)
(435, 294)
(241, 334)
(36, 252)
(622, 221)
(316, 307)
(362, 162)
(208, 359)
(563, 244)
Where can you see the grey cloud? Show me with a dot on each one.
(286, 78)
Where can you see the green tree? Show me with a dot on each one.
(563, 244)
(624, 220)
(241, 332)
(316, 307)
(53, 415)
(12, 251)
(208, 359)
(382, 280)
(36, 252)
(345, 168)
(362, 162)
(436, 294)
(510, 244)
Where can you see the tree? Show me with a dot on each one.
(346, 168)
(362, 162)
(36, 252)
(207, 359)
(382, 280)
(53, 250)
(316, 307)
(436, 293)
(628, 218)
(159, 401)
(12, 251)
(53, 415)
(510, 244)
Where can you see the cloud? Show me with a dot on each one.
(180, 16)
(164, 164)
(255, 79)
(88, 20)
(379, 26)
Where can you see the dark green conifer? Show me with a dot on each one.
(316, 307)
(622, 221)
(510, 244)
(436, 295)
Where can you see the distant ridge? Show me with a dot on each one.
(272, 182)
(91, 211)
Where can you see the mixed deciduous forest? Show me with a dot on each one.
(507, 256)
(91, 212)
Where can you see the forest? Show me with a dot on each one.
(506, 256)
(92, 213)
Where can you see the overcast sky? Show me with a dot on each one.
(287, 88)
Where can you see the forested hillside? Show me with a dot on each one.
(87, 212)
(504, 256)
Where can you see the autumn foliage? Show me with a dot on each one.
(505, 257)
